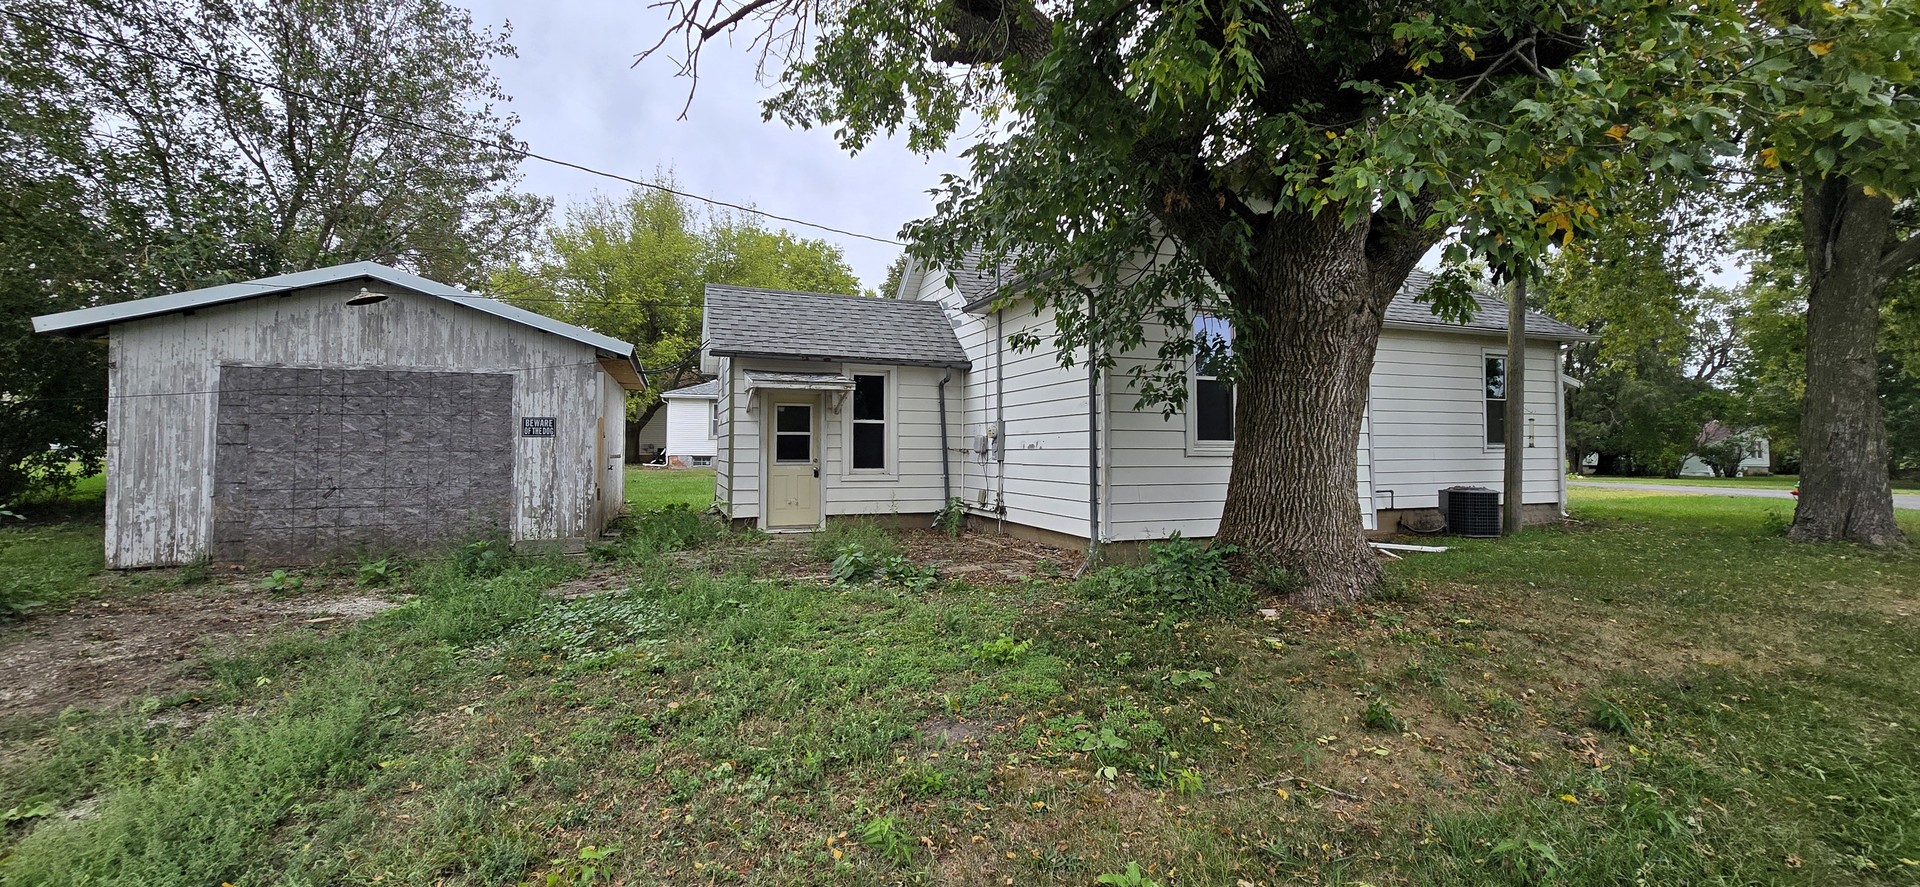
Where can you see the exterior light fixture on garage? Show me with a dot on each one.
(367, 298)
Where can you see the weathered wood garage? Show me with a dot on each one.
(350, 411)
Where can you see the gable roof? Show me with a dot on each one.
(1489, 318)
(709, 388)
(783, 324)
(85, 321)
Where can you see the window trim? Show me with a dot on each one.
(890, 428)
(1196, 446)
(1487, 444)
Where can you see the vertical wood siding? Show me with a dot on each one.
(160, 430)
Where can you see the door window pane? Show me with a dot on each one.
(793, 418)
(793, 448)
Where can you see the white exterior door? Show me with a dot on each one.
(793, 468)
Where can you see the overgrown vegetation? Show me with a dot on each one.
(1664, 694)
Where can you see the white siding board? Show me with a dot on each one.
(690, 426)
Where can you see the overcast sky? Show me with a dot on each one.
(580, 99)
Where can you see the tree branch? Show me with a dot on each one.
(1903, 256)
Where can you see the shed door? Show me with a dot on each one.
(315, 465)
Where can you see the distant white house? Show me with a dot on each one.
(1757, 450)
(649, 443)
(692, 422)
(838, 405)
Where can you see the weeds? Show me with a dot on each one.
(482, 558)
(1001, 651)
(593, 625)
(1609, 716)
(853, 565)
(281, 582)
(1132, 877)
(953, 517)
(1380, 716)
(377, 574)
(885, 836)
(1182, 576)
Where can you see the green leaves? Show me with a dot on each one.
(635, 268)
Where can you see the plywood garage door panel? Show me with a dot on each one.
(323, 464)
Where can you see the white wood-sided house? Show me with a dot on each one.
(348, 411)
(855, 391)
(692, 424)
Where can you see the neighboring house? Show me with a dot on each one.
(1750, 445)
(647, 443)
(692, 424)
(347, 411)
(855, 391)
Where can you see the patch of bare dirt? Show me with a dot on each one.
(987, 557)
(101, 654)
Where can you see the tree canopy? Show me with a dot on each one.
(159, 145)
(1282, 165)
(636, 268)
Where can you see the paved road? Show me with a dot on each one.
(1900, 500)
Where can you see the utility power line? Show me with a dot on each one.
(396, 119)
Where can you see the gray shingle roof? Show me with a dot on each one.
(780, 324)
(709, 388)
(975, 280)
(1490, 318)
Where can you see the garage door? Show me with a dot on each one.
(318, 464)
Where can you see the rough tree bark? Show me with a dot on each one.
(1312, 309)
(1845, 493)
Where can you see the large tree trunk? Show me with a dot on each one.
(1844, 489)
(1311, 317)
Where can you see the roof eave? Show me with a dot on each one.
(1459, 329)
(839, 358)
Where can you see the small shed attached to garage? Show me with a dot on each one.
(350, 410)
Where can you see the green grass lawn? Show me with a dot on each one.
(1767, 482)
(651, 488)
(1664, 693)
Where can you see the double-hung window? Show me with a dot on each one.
(1495, 393)
(1213, 395)
(869, 422)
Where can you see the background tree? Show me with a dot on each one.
(1667, 340)
(896, 269)
(1286, 165)
(636, 269)
(1828, 100)
(130, 168)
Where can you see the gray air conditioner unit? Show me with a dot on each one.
(1471, 511)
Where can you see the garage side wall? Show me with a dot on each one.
(164, 370)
